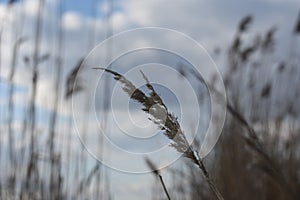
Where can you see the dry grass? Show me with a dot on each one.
(165, 120)
(257, 155)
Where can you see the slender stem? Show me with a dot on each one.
(164, 186)
(199, 162)
(210, 182)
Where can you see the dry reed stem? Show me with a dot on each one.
(156, 172)
(254, 142)
(166, 121)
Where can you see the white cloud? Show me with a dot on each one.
(72, 21)
(211, 23)
(31, 7)
(119, 20)
(2, 11)
(104, 7)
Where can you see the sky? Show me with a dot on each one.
(212, 24)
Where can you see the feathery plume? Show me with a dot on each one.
(168, 123)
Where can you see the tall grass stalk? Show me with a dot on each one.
(32, 168)
(166, 121)
(55, 180)
(156, 173)
(10, 99)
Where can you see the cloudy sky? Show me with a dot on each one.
(84, 23)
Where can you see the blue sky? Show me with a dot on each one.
(83, 7)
